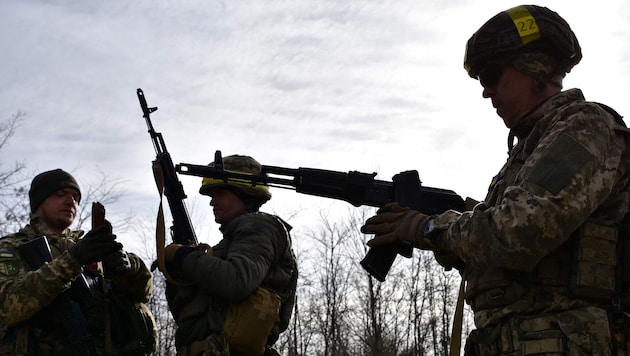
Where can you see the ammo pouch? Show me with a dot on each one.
(584, 267)
(248, 324)
(505, 339)
(558, 333)
(594, 261)
(495, 288)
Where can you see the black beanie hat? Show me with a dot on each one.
(46, 183)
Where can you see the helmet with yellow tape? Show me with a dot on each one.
(243, 188)
(526, 28)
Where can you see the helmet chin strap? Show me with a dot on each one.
(510, 142)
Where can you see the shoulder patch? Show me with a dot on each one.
(9, 266)
(563, 160)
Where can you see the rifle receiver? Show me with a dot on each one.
(182, 230)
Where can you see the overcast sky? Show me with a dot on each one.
(373, 86)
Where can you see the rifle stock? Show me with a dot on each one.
(354, 187)
(182, 231)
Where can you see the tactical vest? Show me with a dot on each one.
(589, 265)
(585, 267)
(73, 324)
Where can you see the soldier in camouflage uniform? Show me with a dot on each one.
(542, 254)
(255, 252)
(57, 308)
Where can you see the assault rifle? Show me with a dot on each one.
(182, 231)
(353, 187)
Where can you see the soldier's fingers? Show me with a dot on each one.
(378, 229)
(382, 240)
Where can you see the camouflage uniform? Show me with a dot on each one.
(255, 250)
(25, 320)
(539, 253)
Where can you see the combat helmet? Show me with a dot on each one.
(526, 28)
(248, 191)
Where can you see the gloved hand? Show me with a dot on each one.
(95, 245)
(393, 223)
(174, 254)
(116, 263)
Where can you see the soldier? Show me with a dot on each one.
(252, 271)
(54, 299)
(539, 254)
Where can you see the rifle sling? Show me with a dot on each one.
(456, 333)
(160, 229)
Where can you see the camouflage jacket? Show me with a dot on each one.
(27, 297)
(255, 251)
(568, 176)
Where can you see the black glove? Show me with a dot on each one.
(174, 255)
(116, 262)
(95, 245)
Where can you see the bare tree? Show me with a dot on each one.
(298, 339)
(410, 313)
(164, 319)
(13, 205)
(14, 187)
(105, 191)
(376, 301)
(331, 306)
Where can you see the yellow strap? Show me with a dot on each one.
(160, 229)
(456, 335)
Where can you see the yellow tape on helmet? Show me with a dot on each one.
(525, 24)
(239, 183)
